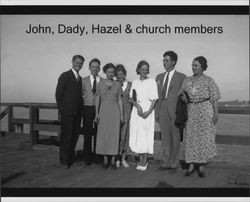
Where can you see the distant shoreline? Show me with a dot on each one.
(234, 109)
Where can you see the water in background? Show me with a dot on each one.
(228, 124)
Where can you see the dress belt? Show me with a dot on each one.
(196, 102)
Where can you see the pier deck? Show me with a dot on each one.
(33, 166)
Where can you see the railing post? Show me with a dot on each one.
(59, 119)
(34, 118)
(10, 117)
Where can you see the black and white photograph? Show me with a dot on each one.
(125, 101)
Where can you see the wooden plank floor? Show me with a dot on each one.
(39, 167)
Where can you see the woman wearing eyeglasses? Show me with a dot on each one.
(199, 133)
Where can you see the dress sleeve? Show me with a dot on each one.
(213, 90)
(153, 91)
(119, 89)
(131, 89)
(183, 86)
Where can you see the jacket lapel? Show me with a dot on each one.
(161, 83)
(89, 83)
(72, 75)
(174, 77)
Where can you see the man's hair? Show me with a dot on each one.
(95, 60)
(173, 56)
(78, 56)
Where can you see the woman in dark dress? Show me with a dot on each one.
(109, 115)
(121, 74)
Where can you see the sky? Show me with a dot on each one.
(32, 63)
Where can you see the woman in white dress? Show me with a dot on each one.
(143, 96)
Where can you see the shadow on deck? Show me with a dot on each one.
(37, 166)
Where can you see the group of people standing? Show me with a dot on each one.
(121, 115)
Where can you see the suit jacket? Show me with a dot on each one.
(173, 90)
(181, 114)
(88, 96)
(69, 94)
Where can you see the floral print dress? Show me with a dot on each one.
(199, 134)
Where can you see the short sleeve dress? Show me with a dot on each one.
(200, 131)
(142, 130)
(108, 131)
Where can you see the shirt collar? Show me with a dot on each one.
(91, 76)
(75, 72)
(171, 72)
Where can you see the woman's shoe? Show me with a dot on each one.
(113, 167)
(105, 166)
(125, 164)
(200, 173)
(138, 167)
(188, 173)
(143, 168)
(118, 163)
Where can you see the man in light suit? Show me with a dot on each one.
(89, 85)
(169, 84)
(69, 101)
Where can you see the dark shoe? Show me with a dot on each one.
(172, 167)
(105, 166)
(164, 168)
(79, 163)
(88, 162)
(98, 159)
(201, 173)
(113, 167)
(188, 173)
(69, 165)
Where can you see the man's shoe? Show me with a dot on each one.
(97, 159)
(164, 168)
(105, 166)
(88, 162)
(113, 167)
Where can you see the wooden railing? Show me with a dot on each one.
(36, 125)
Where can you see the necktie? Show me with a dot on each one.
(94, 85)
(77, 76)
(164, 90)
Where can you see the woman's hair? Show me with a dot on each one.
(203, 61)
(108, 66)
(140, 64)
(119, 68)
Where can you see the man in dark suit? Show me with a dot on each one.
(69, 101)
(169, 84)
(89, 85)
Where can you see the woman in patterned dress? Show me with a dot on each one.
(109, 115)
(199, 133)
(121, 74)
